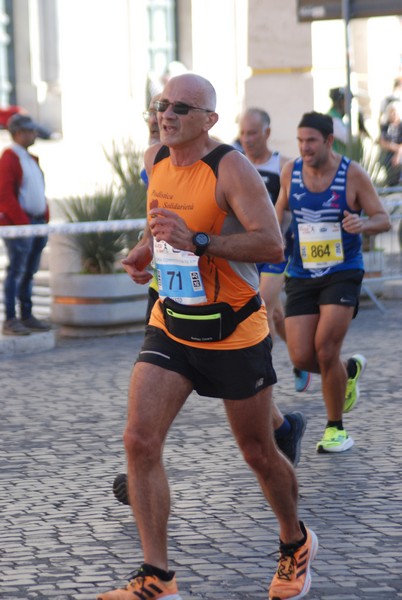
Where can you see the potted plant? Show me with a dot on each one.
(89, 288)
(99, 251)
(127, 164)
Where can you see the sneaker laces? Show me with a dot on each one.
(286, 563)
(138, 575)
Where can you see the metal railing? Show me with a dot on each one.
(383, 252)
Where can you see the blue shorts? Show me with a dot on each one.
(272, 268)
(278, 268)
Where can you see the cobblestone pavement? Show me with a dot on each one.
(64, 536)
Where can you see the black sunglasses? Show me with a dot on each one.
(179, 108)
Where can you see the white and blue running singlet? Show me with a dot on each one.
(270, 172)
(321, 246)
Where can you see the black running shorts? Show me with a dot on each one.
(227, 374)
(304, 296)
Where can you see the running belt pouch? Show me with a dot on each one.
(209, 323)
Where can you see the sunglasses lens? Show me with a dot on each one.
(181, 109)
(178, 108)
(161, 106)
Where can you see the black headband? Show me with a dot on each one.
(315, 120)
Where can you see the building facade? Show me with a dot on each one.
(84, 69)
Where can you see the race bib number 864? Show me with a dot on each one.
(320, 244)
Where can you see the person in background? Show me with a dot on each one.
(341, 133)
(337, 113)
(42, 131)
(255, 130)
(205, 244)
(150, 117)
(326, 194)
(394, 96)
(22, 202)
(391, 143)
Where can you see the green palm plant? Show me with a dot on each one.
(125, 198)
(127, 163)
(99, 250)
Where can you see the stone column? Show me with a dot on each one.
(280, 59)
(24, 55)
(35, 24)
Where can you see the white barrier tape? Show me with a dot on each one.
(387, 191)
(19, 231)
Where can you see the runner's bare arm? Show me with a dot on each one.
(137, 261)
(361, 194)
(282, 203)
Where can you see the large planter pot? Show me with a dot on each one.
(97, 300)
(86, 301)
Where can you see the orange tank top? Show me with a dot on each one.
(189, 191)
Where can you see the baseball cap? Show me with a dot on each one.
(19, 121)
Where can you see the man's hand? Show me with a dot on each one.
(168, 226)
(136, 264)
(352, 223)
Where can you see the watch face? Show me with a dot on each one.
(201, 239)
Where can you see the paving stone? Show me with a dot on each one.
(65, 537)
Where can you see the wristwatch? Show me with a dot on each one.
(201, 242)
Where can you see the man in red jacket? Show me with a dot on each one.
(22, 202)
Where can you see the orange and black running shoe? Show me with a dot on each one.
(144, 586)
(292, 579)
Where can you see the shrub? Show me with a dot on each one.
(99, 251)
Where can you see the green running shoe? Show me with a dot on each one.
(334, 440)
(352, 387)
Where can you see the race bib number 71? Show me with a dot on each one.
(178, 274)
